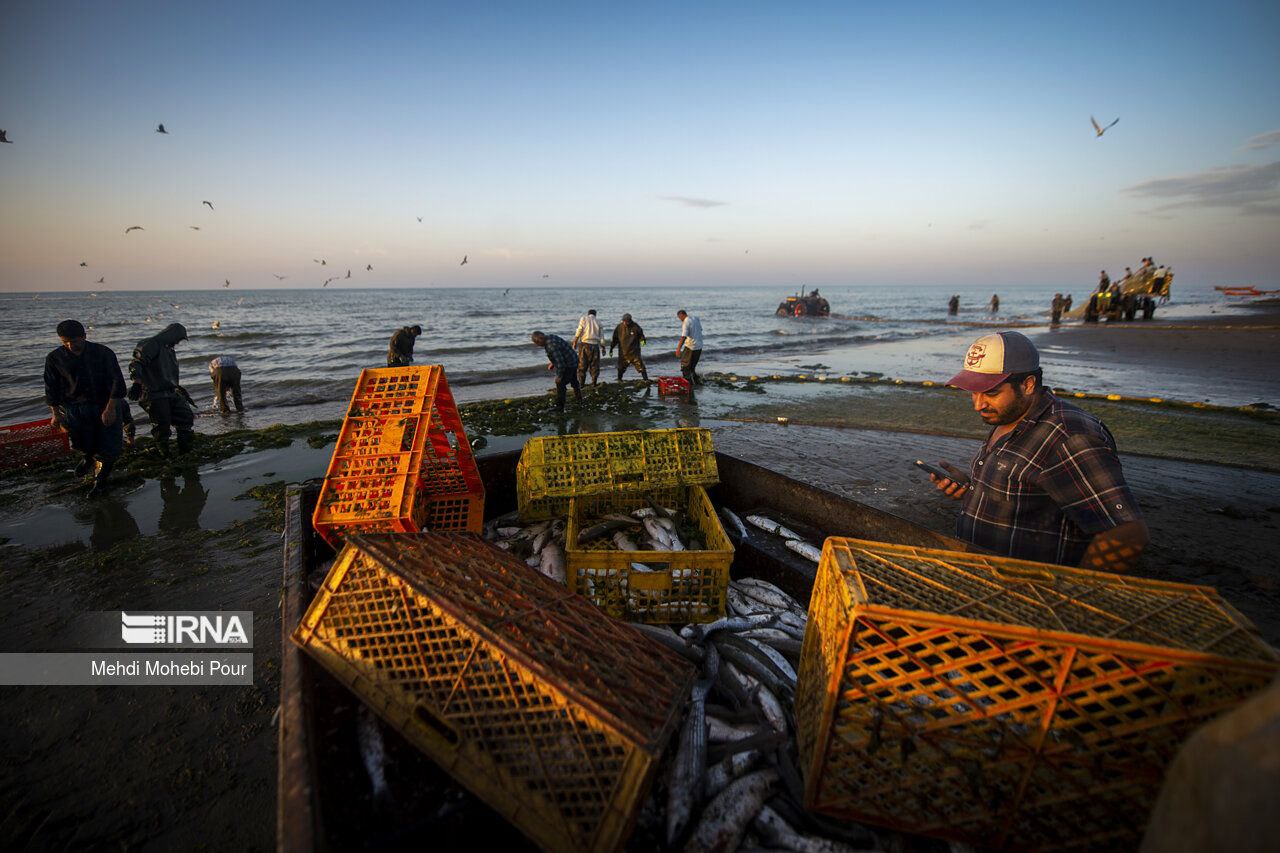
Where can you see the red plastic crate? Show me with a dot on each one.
(31, 442)
(673, 385)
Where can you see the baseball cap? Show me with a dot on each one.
(992, 359)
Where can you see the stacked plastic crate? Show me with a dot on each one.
(402, 461)
(1006, 703)
(591, 475)
(31, 442)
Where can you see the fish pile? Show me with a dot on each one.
(733, 781)
(792, 540)
(649, 535)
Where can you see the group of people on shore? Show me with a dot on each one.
(573, 362)
(85, 391)
(1135, 291)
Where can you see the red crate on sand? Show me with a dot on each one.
(673, 385)
(32, 442)
(402, 461)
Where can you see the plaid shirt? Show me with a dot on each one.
(561, 355)
(1047, 488)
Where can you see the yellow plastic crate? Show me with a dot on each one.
(686, 586)
(552, 715)
(553, 469)
(1006, 703)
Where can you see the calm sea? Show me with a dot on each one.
(300, 351)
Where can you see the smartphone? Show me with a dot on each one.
(942, 474)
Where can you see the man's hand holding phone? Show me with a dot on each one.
(948, 479)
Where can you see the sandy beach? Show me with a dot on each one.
(95, 766)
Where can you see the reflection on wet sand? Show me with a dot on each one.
(109, 520)
(182, 505)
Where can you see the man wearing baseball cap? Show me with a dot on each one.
(1046, 484)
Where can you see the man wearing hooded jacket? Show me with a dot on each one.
(154, 371)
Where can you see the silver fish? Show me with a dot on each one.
(551, 563)
(735, 523)
(768, 525)
(771, 598)
(671, 640)
(775, 656)
(725, 819)
(641, 567)
(804, 549)
(508, 532)
(729, 768)
(720, 731)
(684, 790)
(728, 623)
(372, 750)
(748, 659)
(657, 533)
(779, 833)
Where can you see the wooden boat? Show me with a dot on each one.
(323, 789)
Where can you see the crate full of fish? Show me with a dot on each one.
(402, 461)
(553, 716)
(1001, 702)
(660, 557)
(553, 469)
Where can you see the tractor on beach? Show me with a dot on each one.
(810, 305)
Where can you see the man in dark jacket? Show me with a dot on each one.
(400, 352)
(85, 389)
(154, 371)
(627, 339)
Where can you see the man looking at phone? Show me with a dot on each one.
(1046, 485)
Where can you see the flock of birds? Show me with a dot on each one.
(1099, 130)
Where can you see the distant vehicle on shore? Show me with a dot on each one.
(811, 305)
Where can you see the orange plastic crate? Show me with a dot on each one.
(402, 460)
(554, 715)
(32, 442)
(1006, 703)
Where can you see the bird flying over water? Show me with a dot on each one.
(280, 277)
(208, 203)
(226, 282)
(464, 261)
(419, 218)
(134, 228)
(1098, 128)
(348, 273)
(327, 280)
(368, 268)
(4, 138)
(84, 263)
(160, 129)
(194, 227)
(102, 280)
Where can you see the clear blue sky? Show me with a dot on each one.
(735, 143)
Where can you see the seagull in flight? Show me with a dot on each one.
(4, 138)
(348, 273)
(327, 280)
(464, 261)
(505, 292)
(226, 282)
(419, 218)
(134, 228)
(160, 129)
(280, 277)
(208, 203)
(84, 263)
(102, 280)
(194, 227)
(1098, 129)
(368, 268)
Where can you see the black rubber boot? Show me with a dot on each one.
(101, 482)
(85, 466)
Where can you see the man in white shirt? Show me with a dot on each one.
(587, 342)
(689, 348)
(226, 377)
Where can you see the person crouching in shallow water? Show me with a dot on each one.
(562, 359)
(400, 350)
(225, 374)
(1046, 485)
(84, 389)
(154, 371)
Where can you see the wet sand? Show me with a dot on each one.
(168, 767)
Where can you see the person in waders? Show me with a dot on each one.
(154, 372)
(84, 389)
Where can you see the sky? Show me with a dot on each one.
(597, 144)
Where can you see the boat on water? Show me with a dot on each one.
(325, 798)
(811, 304)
